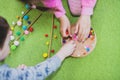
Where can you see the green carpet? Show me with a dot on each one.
(102, 64)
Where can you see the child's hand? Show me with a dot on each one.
(64, 26)
(23, 66)
(66, 50)
(83, 27)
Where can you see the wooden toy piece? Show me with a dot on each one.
(82, 48)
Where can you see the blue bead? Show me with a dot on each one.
(64, 41)
(24, 27)
(26, 17)
(27, 6)
(87, 49)
(29, 22)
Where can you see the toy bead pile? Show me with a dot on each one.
(26, 29)
(83, 48)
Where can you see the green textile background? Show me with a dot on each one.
(102, 64)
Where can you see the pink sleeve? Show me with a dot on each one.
(55, 4)
(87, 7)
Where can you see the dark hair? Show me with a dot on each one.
(4, 28)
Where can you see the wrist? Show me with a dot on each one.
(60, 56)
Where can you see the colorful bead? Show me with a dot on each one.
(54, 27)
(18, 33)
(26, 17)
(24, 27)
(26, 32)
(67, 32)
(52, 51)
(47, 43)
(12, 38)
(64, 41)
(22, 12)
(29, 22)
(46, 35)
(19, 23)
(31, 29)
(12, 28)
(13, 47)
(45, 55)
(55, 36)
(16, 43)
(22, 38)
(27, 6)
(13, 23)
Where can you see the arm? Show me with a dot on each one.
(55, 4)
(38, 72)
(84, 22)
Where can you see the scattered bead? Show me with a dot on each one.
(87, 48)
(12, 28)
(27, 6)
(52, 51)
(18, 33)
(46, 35)
(13, 23)
(54, 27)
(19, 23)
(17, 17)
(47, 43)
(33, 6)
(22, 38)
(67, 32)
(12, 38)
(13, 47)
(26, 17)
(64, 41)
(29, 22)
(31, 29)
(55, 36)
(22, 12)
(26, 32)
(45, 55)
(16, 43)
(24, 27)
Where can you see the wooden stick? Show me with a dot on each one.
(23, 16)
(52, 30)
(29, 26)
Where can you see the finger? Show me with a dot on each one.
(77, 29)
(69, 32)
(79, 34)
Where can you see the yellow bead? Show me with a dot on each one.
(92, 31)
(47, 43)
(12, 28)
(45, 55)
(55, 36)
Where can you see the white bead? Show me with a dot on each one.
(19, 23)
(16, 43)
(13, 23)
(22, 12)
(12, 38)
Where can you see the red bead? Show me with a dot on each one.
(31, 29)
(52, 51)
(54, 27)
(67, 32)
(46, 35)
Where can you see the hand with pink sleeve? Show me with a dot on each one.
(84, 22)
(59, 12)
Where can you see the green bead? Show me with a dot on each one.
(22, 38)
(13, 47)
(18, 33)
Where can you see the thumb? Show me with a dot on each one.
(76, 29)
